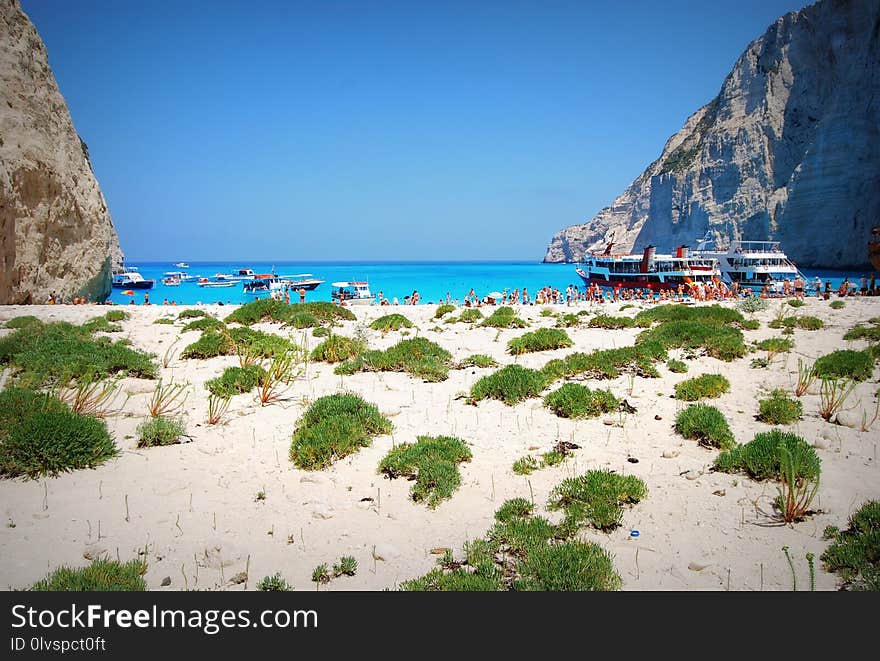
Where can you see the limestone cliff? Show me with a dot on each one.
(789, 150)
(56, 233)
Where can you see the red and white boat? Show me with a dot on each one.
(352, 293)
(647, 270)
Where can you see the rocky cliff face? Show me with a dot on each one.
(789, 150)
(56, 233)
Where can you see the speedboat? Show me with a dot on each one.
(751, 264)
(131, 280)
(303, 281)
(352, 293)
(224, 277)
(262, 283)
(204, 282)
(648, 270)
(182, 265)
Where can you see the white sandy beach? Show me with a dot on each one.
(193, 509)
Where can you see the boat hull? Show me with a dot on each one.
(309, 285)
(144, 284)
(653, 285)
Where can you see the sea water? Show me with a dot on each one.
(434, 281)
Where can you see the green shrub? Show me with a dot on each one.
(117, 315)
(859, 332)
(321, 331)
(676, 366)
(23, 322)
(573, 400)
(796, 303)
(810, 323)
(58, 352)
(274, 583)
(775, 345)
(525, 466)
(855, 552)
(515, 508)
(326, 312)
(443, 309)
(391, 322)
(570, 566)
(715, 315)
(608, 363)
(39, 435)
(596, 498)
(164, 320)
(189, 313)
(753, 304)
(100, 324)
(467, 316)
(457, 580)
(510, 384)
(504, 317)
(567, 321)
(836, 305)
(719, 341)
(522, 535)
(760, 458)
(258, 343)
(778, 409)
(705, 386)
(304, 320)
(236, 380)
(263, 309)
(205, 323)
(338, 348)
(160, 430)
(100, 576)
(334, 427)
(613, 323)
(432, 461)
(750, 324)
(705, 424)
(416, 356)
(478, 360)
(349, 367)
(542, 339)
(209, 345)
(845, 363)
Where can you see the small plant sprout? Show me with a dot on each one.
(274, 583)
(832, 396)
(261, 495)
(217, 407)
(280, 371)
(806, 377)
(320, 575)
(170, 354)
(168, 399)
(347, 566)
(799, 483)
(90, 396)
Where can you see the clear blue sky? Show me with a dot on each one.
(286, 130)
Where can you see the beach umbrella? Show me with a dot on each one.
(496, 294)
(128, 292)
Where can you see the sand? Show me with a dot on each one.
(193, 508)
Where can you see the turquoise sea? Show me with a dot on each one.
(433, 280)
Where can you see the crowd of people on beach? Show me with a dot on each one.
(573, 295)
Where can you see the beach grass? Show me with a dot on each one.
(101, 575)
(477, 360)
(236, 380)
(705, 386)
(56, 352)
(676, 366)
(510, 384)
(596, 498)
(160, 430)
(338, 348)
(391, 322)
(854, 554)
(274, 583)
(779, 409)
(204, 323)
(416, 356)
(542, 339)
(572, 400)
(761, 458)
(504, 317)
(40, 435)
(333, 427)
(705, 424)
(845, 363)
(432, 462)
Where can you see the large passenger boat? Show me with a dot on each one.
(752, 264)
(648, 270)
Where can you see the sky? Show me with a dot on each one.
(387, 131)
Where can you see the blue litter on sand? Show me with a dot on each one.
(634, 533)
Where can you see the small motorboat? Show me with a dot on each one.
(131, 280)
(182, 265)
(302, 281)
(352, 293)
